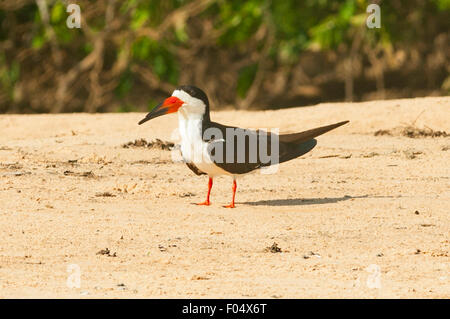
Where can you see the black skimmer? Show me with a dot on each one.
(213, 149)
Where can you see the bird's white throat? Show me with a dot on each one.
(190, 116)
(193, 148)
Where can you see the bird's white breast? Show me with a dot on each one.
(193, 148)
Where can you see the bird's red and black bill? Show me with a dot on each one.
(170, 105)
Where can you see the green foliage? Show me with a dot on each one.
(240, 28)
(442, 4)
(159, 58)
(58, 13)
(239, 20)
(58, 18)
(125, 84)
(245, 80)
(334, 29)
(9, 75)
(139, 18)
(125, 108)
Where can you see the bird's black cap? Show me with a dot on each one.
(195, 92)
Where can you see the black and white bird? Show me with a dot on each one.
(213, 149)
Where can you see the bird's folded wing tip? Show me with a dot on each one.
(342, 123)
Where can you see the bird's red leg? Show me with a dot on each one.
(207, 202)
(234, 194)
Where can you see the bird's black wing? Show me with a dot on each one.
(224, 148)
(290, 146)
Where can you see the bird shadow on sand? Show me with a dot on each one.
(302, 201)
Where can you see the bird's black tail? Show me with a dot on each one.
(305, 136)
(297, 144)
(291, 151)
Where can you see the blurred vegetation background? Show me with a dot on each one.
(254, 54)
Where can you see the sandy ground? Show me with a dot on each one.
(359, 216)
